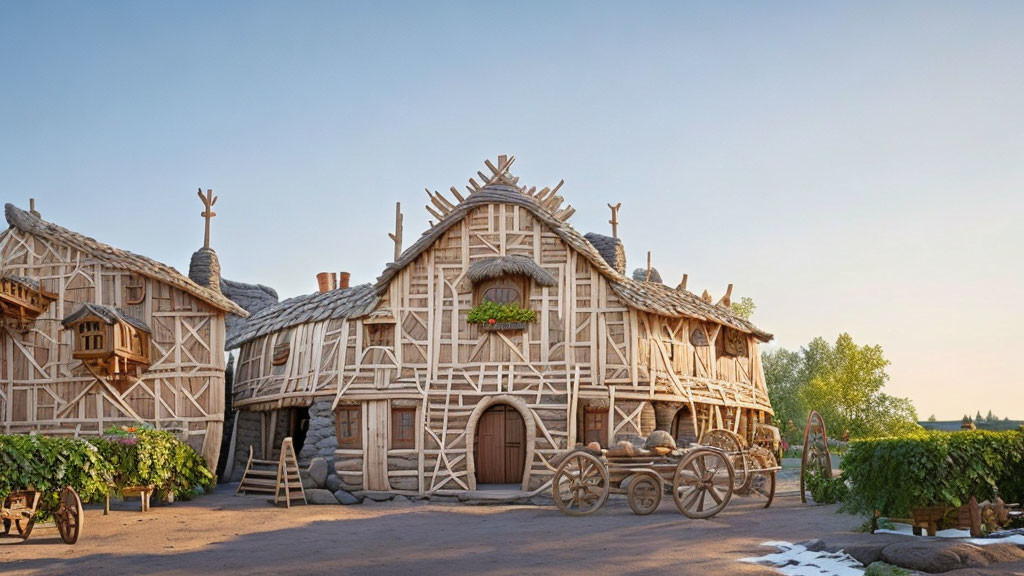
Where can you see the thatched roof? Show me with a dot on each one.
(107, 314)
(28, 223)
(610, 248)
(514, 265)
(647, 296)
(335, 304)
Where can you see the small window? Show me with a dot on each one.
(735, 342)
(595, 425)
(509, 290)
(403, 428)
(347, 427)
(503, 294)
(282, 348)
(380, 335)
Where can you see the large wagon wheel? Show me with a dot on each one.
(760, 482)
(732, 444)
(69, 516)
(581, 484)
(703, 483)
(815, 459)
(644, 493)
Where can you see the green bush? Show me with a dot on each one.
(92, 467)
(895, 475)
(486, 311)
(48, 464)
(142, 455)
(827, 490)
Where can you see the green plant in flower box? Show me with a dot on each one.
(488, 312)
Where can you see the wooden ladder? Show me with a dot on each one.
(260, 476)
(274, 476)
(288, 479)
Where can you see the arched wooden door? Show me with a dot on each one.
(500, 446)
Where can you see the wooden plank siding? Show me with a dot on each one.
(42, 388)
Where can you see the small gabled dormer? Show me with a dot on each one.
(22, 300)
(109, 341)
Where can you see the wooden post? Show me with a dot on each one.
(682, 285)
(208, 201)
(397, 236)
(648, 278)
(615, 219)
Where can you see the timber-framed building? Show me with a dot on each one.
(95, 336)
(404, 390)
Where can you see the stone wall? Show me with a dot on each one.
(247, 433)
(320, 438)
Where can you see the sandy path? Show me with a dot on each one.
(220, 534)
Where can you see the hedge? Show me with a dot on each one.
(93, 466)
(894, 475)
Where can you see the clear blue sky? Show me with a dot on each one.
(851, 166)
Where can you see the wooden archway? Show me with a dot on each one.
(474, 420)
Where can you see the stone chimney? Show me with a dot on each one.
(204, 268)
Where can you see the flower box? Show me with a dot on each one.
(504, 327)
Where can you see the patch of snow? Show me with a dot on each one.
(1017, 539)
(908, 530)
(797, 560)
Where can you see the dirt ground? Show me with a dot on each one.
(222, 534)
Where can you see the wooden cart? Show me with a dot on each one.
(755, 466)
(700, 480)
(19, 509)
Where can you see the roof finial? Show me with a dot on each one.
(615, 219)
(648, 277)
(397, 236)
(208, 201)
(32, 208)
(682, 285)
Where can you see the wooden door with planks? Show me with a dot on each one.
(375, 445)
(500, 446)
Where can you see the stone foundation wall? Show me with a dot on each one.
(247, 433)
(320, 438)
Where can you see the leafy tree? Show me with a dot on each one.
(990, 417)
(781, 370)
(844, 382)
(931, 418)
(978, 418)
(744, 308)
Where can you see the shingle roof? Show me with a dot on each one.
(646, 296)
(252, 297)
(28, 223)
(108, 314)
(342, 303)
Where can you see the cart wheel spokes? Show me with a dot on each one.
(580, 486)
(703, 483)
(644, 494)
(69, 515)
(25, 527)
(761, 481)
(735, 446)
